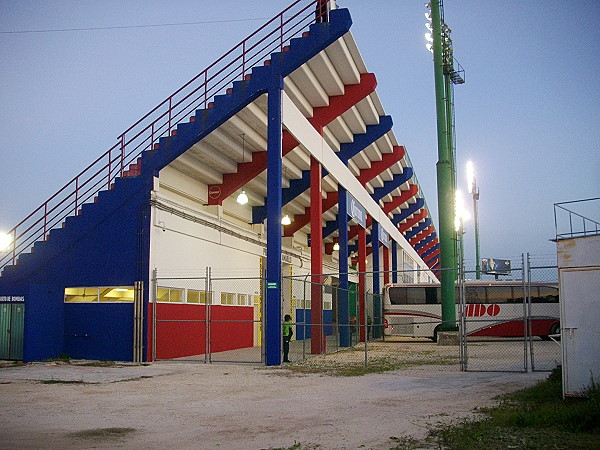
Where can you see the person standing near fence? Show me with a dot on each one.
(287, 336)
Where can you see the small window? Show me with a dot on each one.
(227, 298)
(116, 294)
(169, 295)
(81, 295)
(106, 294)
(196, 297)
(241, 299)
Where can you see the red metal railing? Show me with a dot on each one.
(236, 64)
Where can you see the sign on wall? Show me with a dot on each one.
(384, 237)
(356, 211)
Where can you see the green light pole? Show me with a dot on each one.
(445, 75)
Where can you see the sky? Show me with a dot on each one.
(528, 115)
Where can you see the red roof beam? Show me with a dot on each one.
(415, 219)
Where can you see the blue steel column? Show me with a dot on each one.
(273, 289)
(394, 261)
(376, 319)
(343, 307)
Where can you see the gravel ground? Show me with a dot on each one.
(194, 405)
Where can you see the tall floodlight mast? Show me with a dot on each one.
(474, 191)
(446, 75)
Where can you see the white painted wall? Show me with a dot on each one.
(579, 283)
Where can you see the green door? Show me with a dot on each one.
(12, 317)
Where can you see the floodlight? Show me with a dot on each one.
(286, 220)
(470, 176)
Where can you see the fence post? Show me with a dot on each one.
(529, 322)
(209, 293)
(524, 287)
(122, 162)
(155, 291)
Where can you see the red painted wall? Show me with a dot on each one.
(181, 329)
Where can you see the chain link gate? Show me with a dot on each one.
(207, 319)
(525, 340)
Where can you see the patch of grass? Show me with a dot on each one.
(405, 443)
(537, 417)
(102, 433)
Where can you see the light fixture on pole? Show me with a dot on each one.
(285, 220)
(460, 215)
(474, 191)
(242, 199)
(336, 247)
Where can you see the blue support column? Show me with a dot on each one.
(394, 261)
(376, 320)
(273, 289)
(343, 306)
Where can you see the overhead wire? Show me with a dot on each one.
(124, 27)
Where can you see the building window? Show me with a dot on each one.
(169, 295)
(197, 297)
(227, 298)
(241, 299)
(110, 294)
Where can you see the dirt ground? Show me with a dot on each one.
(234, 406)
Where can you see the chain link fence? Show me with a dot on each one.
(510, 324)
(208, 319)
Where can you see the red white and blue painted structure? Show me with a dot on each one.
(298, 94)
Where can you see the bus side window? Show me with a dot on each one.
(397, 295)
(548, 294)
(417, 296)
(499, 294)
(475, 294)
(431, 296)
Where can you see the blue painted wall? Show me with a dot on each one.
(43, 337)
(303, 316)
(100, 331)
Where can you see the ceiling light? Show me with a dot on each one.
(242, 199)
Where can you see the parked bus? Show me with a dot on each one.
(493, 308)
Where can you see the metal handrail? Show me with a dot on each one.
(159, 122)
(582, 221)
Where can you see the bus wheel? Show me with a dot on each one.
(554, 329)
(435, 333)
